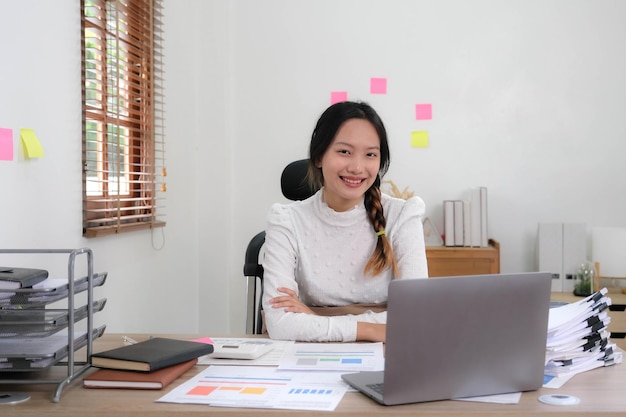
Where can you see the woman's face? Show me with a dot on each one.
(350, 165)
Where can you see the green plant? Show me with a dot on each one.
(584, 279)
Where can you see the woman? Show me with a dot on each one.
(329, 259)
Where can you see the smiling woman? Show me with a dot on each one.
(329, 259)
(351, 165)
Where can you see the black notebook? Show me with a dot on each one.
(14, 278)
(150, 355)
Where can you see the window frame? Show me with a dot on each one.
(122, 116)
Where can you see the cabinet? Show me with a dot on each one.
(456, 260)
(44, 326)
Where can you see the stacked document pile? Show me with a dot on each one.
(578, 339)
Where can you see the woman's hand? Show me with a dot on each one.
(289, 302)
(371, 332)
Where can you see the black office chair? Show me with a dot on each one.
(294, 186)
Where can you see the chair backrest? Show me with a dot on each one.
(293, 181)
(294, 186)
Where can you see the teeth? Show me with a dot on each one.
(352, 181)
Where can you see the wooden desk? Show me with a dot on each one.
(601, 392)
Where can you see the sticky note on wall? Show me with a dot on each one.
(338, 96)
(6, 144)
(378, 85)
(419, 139)
(423, 111)
(32, 146)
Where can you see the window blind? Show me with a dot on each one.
(123, 116)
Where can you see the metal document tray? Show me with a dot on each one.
(41, 323)
(46, 292)
(32, 354)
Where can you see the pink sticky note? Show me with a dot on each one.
(206, 340)
(338, 96)
(378, 86)
(6, 144)
(423, 111)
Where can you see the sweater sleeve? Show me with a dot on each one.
(407, 237)
(279, 271)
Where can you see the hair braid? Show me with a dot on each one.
(382, 257)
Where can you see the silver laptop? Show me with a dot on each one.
(458, 337)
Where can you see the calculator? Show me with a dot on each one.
(240, 350)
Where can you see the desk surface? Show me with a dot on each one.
(601, 392)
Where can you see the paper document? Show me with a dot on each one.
(260, 387)
(550, 381)
(561, 316)
(578, 339)
(344, 357)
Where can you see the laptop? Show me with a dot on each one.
(455, 337)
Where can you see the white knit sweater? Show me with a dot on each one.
(321, 254)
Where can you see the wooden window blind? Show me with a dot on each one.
(123, 116)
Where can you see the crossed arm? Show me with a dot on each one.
(370, 332)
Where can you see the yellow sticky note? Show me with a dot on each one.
(32, 146)
(419, 139)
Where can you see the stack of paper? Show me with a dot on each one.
(578, 339)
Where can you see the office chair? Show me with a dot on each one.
(294, 186)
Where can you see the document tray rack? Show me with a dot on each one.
(39, 341)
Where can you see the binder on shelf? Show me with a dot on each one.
(484, 218)
(475, 217)
(458, 223)
(448, 222)
(467, 229)
(466, 221)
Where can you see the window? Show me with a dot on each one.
(123, 117)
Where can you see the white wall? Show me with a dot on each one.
(148, 290)
(528, 100)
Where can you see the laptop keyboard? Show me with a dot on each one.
(377, 387)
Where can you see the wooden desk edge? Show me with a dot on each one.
(599, 391)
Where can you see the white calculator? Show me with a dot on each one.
(247, 350)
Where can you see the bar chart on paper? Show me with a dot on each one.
(342, 357)
(259, 387)
(229, 387)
